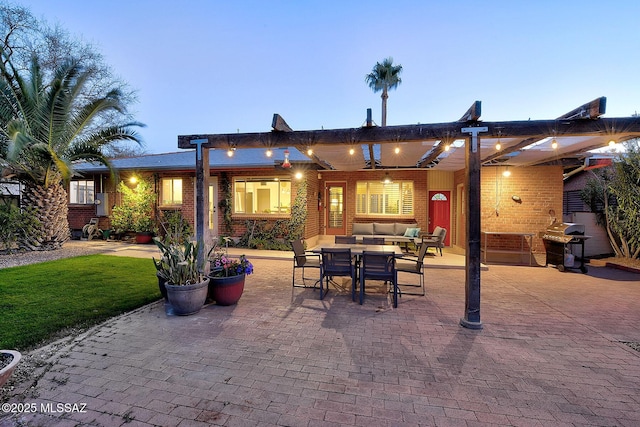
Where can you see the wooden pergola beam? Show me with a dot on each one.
(418, 132)
(590, 110)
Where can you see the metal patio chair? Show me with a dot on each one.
(345, 239)
(303, 260)
(373, 240)
(414, 265)
(381, 266)
(340, 263)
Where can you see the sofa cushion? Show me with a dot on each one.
(386, 229)
(399, 229)
(362, 228)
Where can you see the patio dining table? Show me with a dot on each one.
(357, 249)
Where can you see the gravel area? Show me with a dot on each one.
(70, 249)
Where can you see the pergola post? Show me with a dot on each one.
(471, 317)
(202, 194)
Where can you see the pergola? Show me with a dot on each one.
(467, 143)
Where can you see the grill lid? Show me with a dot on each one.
(563, 228)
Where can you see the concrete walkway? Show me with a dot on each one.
(551, 354)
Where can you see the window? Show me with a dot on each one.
(171, 191)
(263, 195)
(377, 198)
(81, 192)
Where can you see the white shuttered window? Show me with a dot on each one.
(377, 198)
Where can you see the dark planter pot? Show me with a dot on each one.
(187, 299)
(144, 237)
(226, 290)
(163, 289)
(6, 372)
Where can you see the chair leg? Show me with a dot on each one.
(361, 289)
(395, 293)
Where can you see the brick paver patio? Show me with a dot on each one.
(550, 354)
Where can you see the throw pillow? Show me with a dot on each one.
(411, 232)
(416, 232)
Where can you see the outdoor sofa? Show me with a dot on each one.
(394, 232)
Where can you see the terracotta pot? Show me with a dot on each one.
(6, 372)
(144, 237)
(226, 290)
(187, 299)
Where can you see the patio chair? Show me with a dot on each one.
(373, 240)
(413, 265)
(337, 262)
(434, 240)
(303, 260)
(345, 239)
(381, 266)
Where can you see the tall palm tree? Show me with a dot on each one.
(44, 129)
(384, 77)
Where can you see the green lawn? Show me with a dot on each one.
(39, 301)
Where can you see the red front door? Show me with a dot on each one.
(440, 212)
(336, 208)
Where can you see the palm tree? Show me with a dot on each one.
(44, 129)
(384, 77)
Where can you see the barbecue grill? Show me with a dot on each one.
(558, 241)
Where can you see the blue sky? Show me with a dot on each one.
(226, 66)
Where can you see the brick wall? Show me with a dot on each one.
(540, 191)
(420, 187)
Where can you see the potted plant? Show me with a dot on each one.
(8, 361)
(226, 276)
(185, 282)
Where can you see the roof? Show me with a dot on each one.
(186, 160)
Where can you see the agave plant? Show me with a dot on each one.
(179, 263)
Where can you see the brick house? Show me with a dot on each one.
(343, 170)
(173, 175)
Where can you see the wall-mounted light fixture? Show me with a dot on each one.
(516, 199)
(387, 179)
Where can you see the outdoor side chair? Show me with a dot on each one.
(303, 260)
(337, 262)
(381, 266)
(414, 265)
(373, 240)
(434, 240)
(345, 239)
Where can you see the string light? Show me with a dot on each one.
(554, 143)
(352, 151)
(309, 151)
(230, 152)
(447, 147)
(397, 150)
(269, 153)
(506, 173)
(612, 143)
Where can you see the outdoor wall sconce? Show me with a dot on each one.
(516, 199)
(387, 179)
(133, 180)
